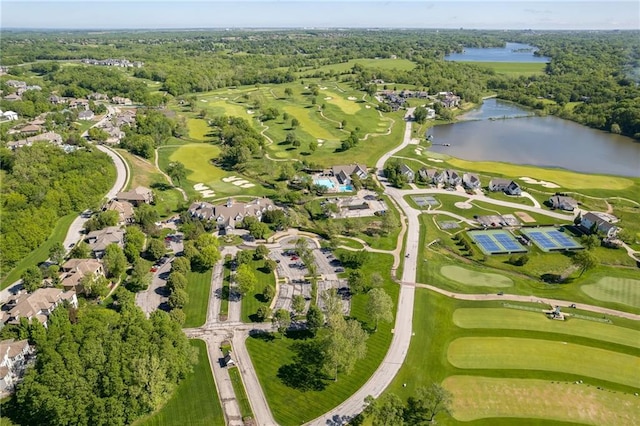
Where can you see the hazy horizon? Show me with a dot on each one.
(353, 14)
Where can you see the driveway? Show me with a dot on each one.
(150, 299)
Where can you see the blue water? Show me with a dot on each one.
(498, 54)
(345, 188)
(327, 183)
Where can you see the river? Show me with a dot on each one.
(512, 52)
(538, 141)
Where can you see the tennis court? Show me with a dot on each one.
(496, 241)
(550, 239)
(424, 201)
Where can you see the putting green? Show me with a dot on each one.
(511, 319)
(198, 129)
(222, 107)
(476, 397)
(613, 289)
(544, 355)
(475, 278)
(196, 158)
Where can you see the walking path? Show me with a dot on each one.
(167, 177)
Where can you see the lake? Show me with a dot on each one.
(538, 141)
(512, 52)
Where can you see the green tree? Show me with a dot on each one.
(135, 237)
(181, 264)
(114, 261)
(97, 134)
(57, 252)
(261, 251)
(156, 249)
(315, 319)
(31, 278)
(178, 299)
(244, 256)
(294, 123)
(176, 281)
(80, 251)
(95, 286)
(590, 241)
(357, 281)
(270, 265)
(263, 313)
(345, 345)
(146, 216)
(207, 257)
(585, 260)
(313, 145)
(268, 293)
(376, 280)
(140, 278)
(282, 320)
(298, 303)
(427, 403)
(388, 410)
(246, 279)
(379, 306)
(288, 92)
(420, 114)
(177, 171)
(178, 316)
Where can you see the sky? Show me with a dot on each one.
(469, 14)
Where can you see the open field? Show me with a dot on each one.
(614, 289)
(512, 69)
(475, 278)
(494, 393)
(545, 355)
(253, 300)
(195, 401)
(197, 159)
(198, 290)
(291, 406)
(198, 129)
(512, 319)
(41, 253)
(486, 397)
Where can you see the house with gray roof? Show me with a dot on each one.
(14, 358)
(471, 180)
(344, 173)
(592, 221)
(563, 203)
(228, 215)
(407, 172)
(37, 305)
(507, 186)
(136, 196)
(100, 239)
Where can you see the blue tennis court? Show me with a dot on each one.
(496, 241)
(550, 239)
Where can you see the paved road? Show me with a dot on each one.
(150, 299)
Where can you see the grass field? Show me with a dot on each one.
(486, 397)
(506, 387)
(195, 401)
(513, 69)
(512, 319)
(198, 290)
(197, 159)
(240, 392)
(198, 128)
(537, 354)
(253, 300)
(41, 253)
(614, 289)
(385, 64)
(475, 278)
(292, 406)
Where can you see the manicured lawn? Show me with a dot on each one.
(615, 289)
(198, 128)
(241, 394)
(195, 401)
(41, 253)
(545, 355)
(197, 159)
(348, 242)
(475, 278)
(487, 397)
(252, 301)
(198, 289)
(292, 406)
(514, 69)
(512, 319)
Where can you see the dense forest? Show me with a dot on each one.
(42, 183)
(592, 77)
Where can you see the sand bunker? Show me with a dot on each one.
(417, 151)
(247, 185)
(240, 182)
(367, 106)
(200, 187)
(352, 98)
(435, 160)
(328, 98)
(207, 194)
(463, 205)
(539, 182)
(323, 88)
(203, 100)
(230, 179)
(249, 111)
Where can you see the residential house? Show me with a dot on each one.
(428, 175)
(451, 177)
(344, 173)
(79, 103)
(136, 196)
(228, 215)
(57, 100)
(121, 101)
(86, 115)
(471, 181)
(448, 99)
(115, 134)
(98, 96)
(51, 137)
(600, 223)
(507, 186)
(127, 118)
(563, 203)
(407, 172)
(9, 115)
(100, 239)
(37, 305)
(431, 113)
(124, 209)
(31, 129)
(16, 83)
(74, 270)
(14, 357)
(13, 97)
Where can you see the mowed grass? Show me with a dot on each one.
(514, 69)
(40, 254)
(347, 106)
(198, 288)
(546, 355)
(198, 128)
(512, 319)
(615, 289)
(475, 278)
(197, 160)
(311, 125)
(195, 401)
(253, 300)
(240, 392)
(486, 397)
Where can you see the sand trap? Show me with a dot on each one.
(247, 185)
(367, 106)
(435, 160)
(230, 179)
(417, 151)
(203, 100)
(240, 182)
(207, 194)
(200, 187)
(352, 98)
(539, 182)
(463, 205)
(250, 111)
(323, 88)
(328, 98)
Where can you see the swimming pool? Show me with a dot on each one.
(345, 188)
(327, 183)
